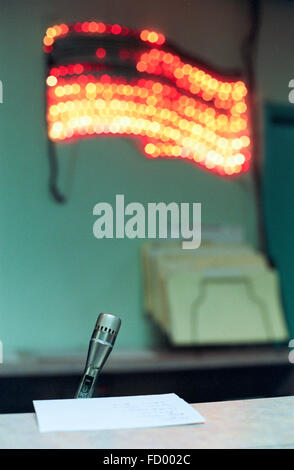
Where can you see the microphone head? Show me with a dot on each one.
(107, 327)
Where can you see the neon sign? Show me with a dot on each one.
(107, 79)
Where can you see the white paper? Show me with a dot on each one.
(94, 414)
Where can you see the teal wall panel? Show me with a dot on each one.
(279, 198)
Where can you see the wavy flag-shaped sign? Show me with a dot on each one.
(109, 79)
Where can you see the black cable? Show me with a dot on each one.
(53, 173)
(52, 156)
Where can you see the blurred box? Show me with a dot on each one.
(217, 294)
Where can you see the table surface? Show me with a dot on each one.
(261, 423)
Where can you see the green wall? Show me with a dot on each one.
(55, 276)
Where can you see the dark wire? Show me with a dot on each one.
(53, 173)
(52, 156)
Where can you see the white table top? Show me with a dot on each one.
(261, 423)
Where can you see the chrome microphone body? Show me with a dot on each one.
(101, 344)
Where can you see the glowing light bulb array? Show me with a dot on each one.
(135, 86)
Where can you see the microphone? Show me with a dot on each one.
(101, 344)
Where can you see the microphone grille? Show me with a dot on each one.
(108, 323)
